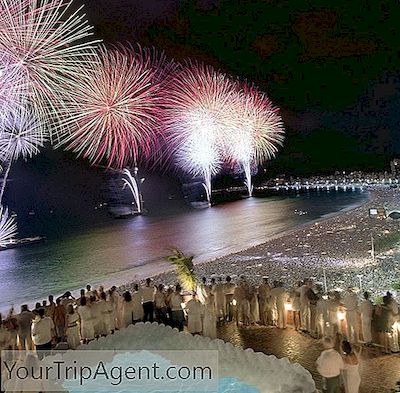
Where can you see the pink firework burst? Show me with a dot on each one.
(113, 113)
(256, 131)
(257, 128)
(196, 117)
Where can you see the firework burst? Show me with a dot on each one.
(196, 119)
(256, 132)
(21, 136)
(114, 112)
(8, 227)
(11, 88)
(45, 44)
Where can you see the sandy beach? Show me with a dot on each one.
(340, 245)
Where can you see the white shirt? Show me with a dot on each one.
(159, 300)
(176, 302)
(330, 363)
(351, 302)
(41, 330)
(366, 308)
(303, 291)
(148, 294)
(279, 295)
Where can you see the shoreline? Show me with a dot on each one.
(279, 257)
(163, 271)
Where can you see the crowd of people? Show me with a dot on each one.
(70, 321)
(97, 312)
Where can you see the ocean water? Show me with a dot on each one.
(120, 251)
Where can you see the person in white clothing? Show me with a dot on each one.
(366, 310)
(96, 315)
(210, 318)
(148, 292)
(351, 374)
(333, 304)
(322, 316)
(350, 302)
(85, 315)
(72, 332)
(4, 337)
(264, 302)
(219, 298)
(279, 297)
(254, 306)
(160, 307)
(177, 314)
(137, 313)
(43, 332)
(25, 319)
(111, 312)
(194, 311)
(229, 290)
(102, 305)
(394, 319)
(89, 291)
(305, 312)
(242, 303)
(127, 309)
(330, 365)
(117, 301)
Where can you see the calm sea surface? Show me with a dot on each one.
(119, 251)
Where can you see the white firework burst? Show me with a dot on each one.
(8, 227)
(46, 43)
(21, 136)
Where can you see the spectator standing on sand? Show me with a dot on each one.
(279, 297)
(43, 331)
(137, 312)
(148, 292)
(393, 323)
(72, 333)
(85, 315)
(229, 290)
(159, 305)
(254, 306)
(322, 316)
(210, 318)
(111, 313)
(350, 301)
(264, 302)
(117, 301)
(25, 319)
(177, 315)
(330, 365)
(219, 298)
(50, 307)
(242, 303)
(194, 311)
(4, 336)
(366, 310)
(305, 313)
(127, 310)
(60, 320)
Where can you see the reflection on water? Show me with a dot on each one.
(121, 251)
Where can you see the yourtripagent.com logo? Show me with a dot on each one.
(107, 371)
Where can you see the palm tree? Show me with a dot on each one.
(184, 270)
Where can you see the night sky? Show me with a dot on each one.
(332, 69)
(331, 66)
